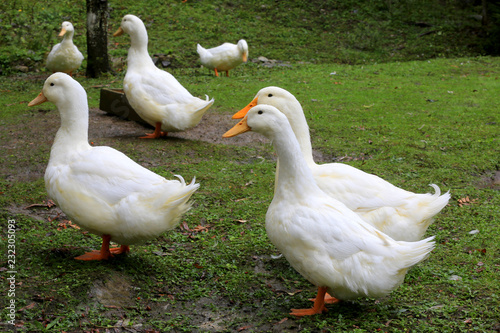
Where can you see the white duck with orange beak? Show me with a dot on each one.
(224, 57)
(101, 189)
(65, 56)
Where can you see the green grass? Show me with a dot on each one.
(352, 32)
(413, 123)
(370, 100)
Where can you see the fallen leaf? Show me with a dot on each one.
(66, 223)
(466, 201)
(47, 204)
(295, 292)
(27, 307)
(244, 328)
(184, 226)
(201, 228)
(281, 321)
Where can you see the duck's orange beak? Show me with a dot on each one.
(118, 32)
(240, 114)
(38, 100)
(245, 57)
(239, 128)
(63, 31)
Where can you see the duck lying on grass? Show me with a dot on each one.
(326, 242)
(100, 188)
(401, 214)
(155, 94)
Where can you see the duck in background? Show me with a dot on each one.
(65, 56)
(156, 95)
(326, 242)
(401, 214)
(100, 188)
(224, 57)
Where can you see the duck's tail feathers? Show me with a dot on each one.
(201, 50)
(418, 251)
(435, 203)
(204, 106)
(181, 200)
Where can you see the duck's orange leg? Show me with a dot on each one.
(105, 253)
(156, 134)
(216, 73)
(318, 307)
(227, 73)
(328, 299)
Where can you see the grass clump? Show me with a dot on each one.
(412, 123)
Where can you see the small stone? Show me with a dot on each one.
(455, 278)
(22, 68)
(473, 232)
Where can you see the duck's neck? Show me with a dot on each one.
(72, 136)
(294, 175)
(68, 38)
(301, 130)
(138, 55)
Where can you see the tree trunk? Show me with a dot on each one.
(97, 38)
(484, 13)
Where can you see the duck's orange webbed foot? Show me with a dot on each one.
(318, 307)
(120, 250)
(105, 253)
(94, 255)
(156, 134)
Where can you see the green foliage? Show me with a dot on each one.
(319, 31)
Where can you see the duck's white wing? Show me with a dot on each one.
(357, 189)
(332, 230)
(157, 86)
(223, 50)
(105, 174)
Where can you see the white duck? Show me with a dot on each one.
(401, 214)
(155, 94)
(100, 188)
(65, 56)
(223, 57)
(326, 242)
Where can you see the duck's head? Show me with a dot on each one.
(131, 25)
(60, 89)
(275, 96)
(243, 47)
(66, 27)
(263, 119)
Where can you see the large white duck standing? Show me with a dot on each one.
(224, 57)
(401, 214)
(65, 56)
(326, 242)
(155, 94)
(100, 188)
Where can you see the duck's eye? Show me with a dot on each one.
(260, 112)
(52, 84)
(270, 95)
